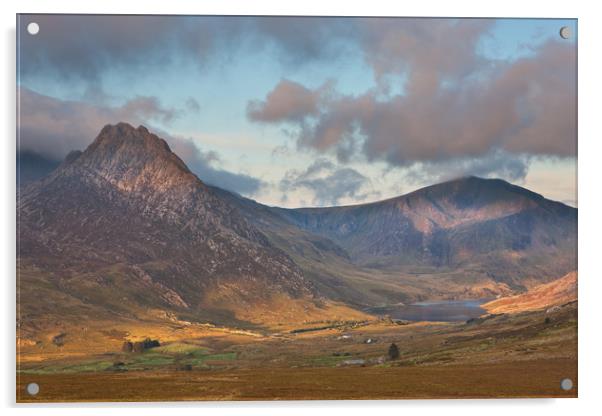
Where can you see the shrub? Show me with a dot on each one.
(150, 343)
(59, 340)
(393, 352)
(140, 346)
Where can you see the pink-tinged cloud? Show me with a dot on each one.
(288, 101)
(518, 109)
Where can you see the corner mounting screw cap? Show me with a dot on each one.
(33, 28)
(565, 32)
(566, 384)
(33, 389)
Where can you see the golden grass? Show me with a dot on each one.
(518, 355)
(557, 292)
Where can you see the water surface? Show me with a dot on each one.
(441, 310)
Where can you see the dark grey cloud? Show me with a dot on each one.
(522, 108)
(32, 166)
(51, 128)
(299, 40)
(85, 46)
(328, 183)
(496, 164)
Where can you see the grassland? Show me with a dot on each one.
(527, 379)
(518, 355)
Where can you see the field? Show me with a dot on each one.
(520, 355)
(538, 378)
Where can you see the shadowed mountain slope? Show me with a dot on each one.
(487, 224)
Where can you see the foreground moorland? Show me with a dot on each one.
(524, 354)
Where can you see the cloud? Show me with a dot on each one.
(425, 50)
(54, 127)
(328, 183)
(287, 102)
(517, 109)
(497, 164)
(457, 112)
(203, 165)
(299, 40)
(51, 128)
(193, 105)
(84, 47)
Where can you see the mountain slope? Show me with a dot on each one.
(557, 292)
(480, 224)
(127, 227)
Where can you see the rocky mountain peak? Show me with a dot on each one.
(130, 158)
(125, 134)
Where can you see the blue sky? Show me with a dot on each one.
(344, 110)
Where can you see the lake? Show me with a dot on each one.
(441, 310)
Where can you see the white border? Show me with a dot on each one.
(590, 231)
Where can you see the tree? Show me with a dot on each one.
(393, 352)
(127, 346)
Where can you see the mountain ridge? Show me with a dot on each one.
(129, 208)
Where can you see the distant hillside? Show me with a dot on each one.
(484, 225)
(557, 292)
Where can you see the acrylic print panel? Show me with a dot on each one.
(258, 208)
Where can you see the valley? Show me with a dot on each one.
(524, 354)
(122, 243)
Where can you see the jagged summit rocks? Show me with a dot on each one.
(132, 158)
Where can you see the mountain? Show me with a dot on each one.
(125, 226)
(476, 224)
(124, 230)
(466, 238)
(556, 293)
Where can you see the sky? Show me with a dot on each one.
(310, 111)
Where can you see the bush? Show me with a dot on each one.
(59, 340)
(139, 346)
(393, 352)
(150, 343)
